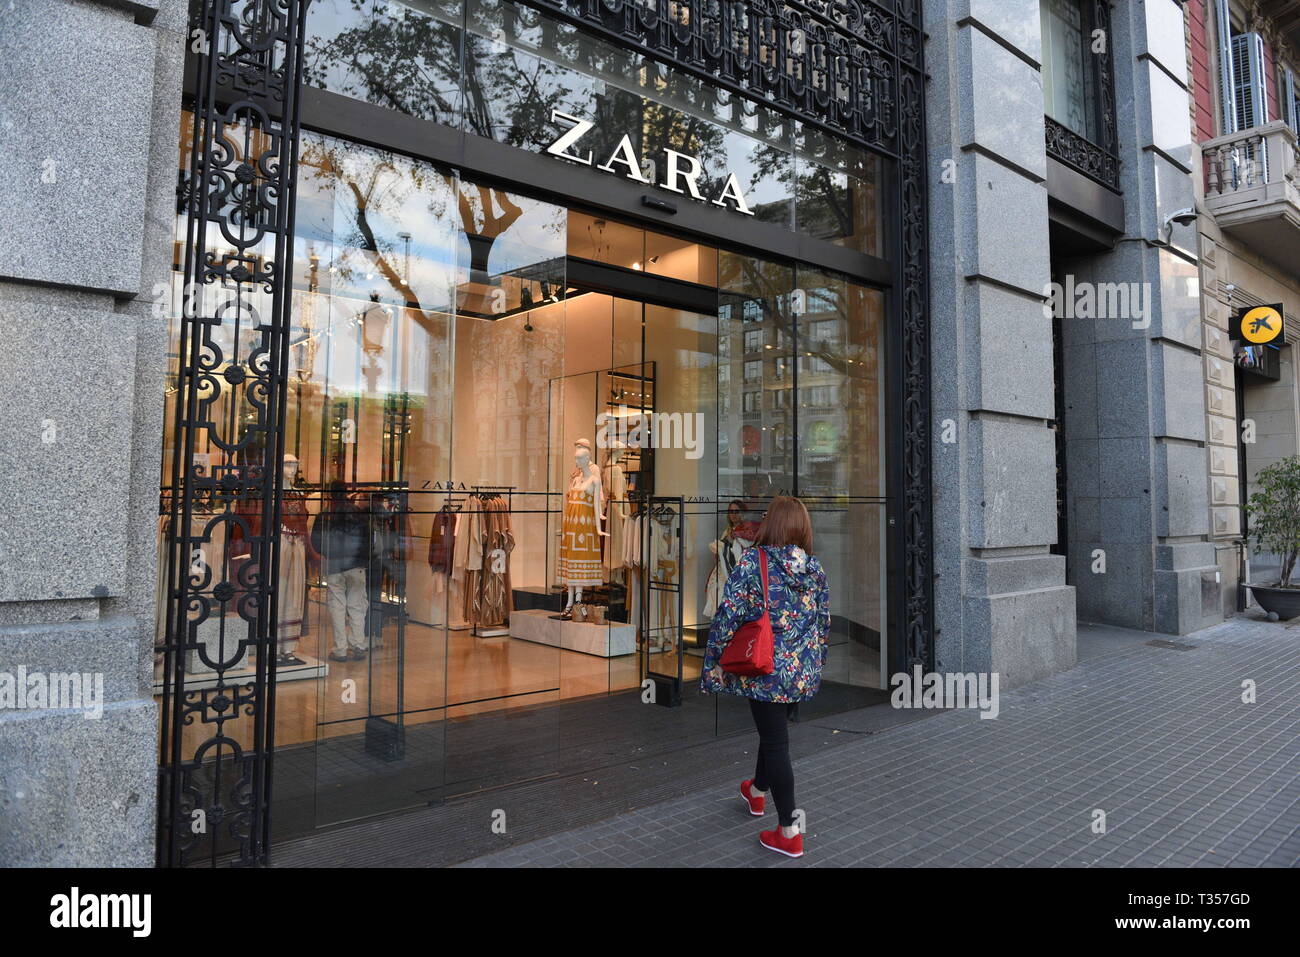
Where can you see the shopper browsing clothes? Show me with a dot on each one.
(341, 534)
(774, 676)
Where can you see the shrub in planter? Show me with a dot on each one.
(1274, 513)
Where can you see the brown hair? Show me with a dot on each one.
(786, 523)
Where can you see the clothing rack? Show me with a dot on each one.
(483, 493)
(487, 491)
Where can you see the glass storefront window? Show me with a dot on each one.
(499, 70)
(402, 56)
(511, 494)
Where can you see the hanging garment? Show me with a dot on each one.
(449, 584)
(495, 598)
(663, 570)
(292, 598)
(442, 541)
(580, 538)
(615, 482)
(461, 545)
(632, 534)
(295, 548)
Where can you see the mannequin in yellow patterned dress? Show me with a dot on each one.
(580, 530)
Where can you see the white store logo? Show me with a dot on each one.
(681, 171)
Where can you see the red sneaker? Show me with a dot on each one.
(756, 805)
(789, 846)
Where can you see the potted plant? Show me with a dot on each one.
(1274, 516)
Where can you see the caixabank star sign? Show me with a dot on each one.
(1259, 326)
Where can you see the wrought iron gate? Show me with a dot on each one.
(222, 506)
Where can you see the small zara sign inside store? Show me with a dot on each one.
(681, 170)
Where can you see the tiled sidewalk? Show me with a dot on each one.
(1156, 737)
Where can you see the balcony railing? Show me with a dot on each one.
(1076, 151)
(1252, 187)
(1253, 160)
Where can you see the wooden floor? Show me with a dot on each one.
(444, 674)
(450, 674)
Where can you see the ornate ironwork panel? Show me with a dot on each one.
(1100, 160)
(913, 293)
(221, 507)
(832, 63)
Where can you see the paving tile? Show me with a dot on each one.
(1157, 739)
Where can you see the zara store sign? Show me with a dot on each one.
(681, 173)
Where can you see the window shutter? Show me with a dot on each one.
(1259, 78)
(1227, 83)
(1250, 95)
(1290, 101)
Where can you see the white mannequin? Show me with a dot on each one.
(293, 569)
(585, 478)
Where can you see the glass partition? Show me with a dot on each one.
(841, 473)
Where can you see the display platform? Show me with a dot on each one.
(604, 641)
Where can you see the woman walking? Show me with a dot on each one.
(799, 606)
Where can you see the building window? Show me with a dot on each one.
(1078, 90)
(1068, 88)
(1242, 74)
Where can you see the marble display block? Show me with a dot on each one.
(604, 641)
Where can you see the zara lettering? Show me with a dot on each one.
(681, 170)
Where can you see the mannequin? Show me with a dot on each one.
(581, 530)
(665, 572)
(291, 589)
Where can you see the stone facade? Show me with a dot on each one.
(1002, 602)
(1251, 422)
(1134, 421)
(88, 176)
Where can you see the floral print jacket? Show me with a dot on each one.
(799, 603)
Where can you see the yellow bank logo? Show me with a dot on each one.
(1260, 325)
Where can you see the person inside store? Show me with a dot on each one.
(768, 643)
(341, 534)
(729, 547)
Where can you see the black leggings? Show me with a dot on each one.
(773, 772)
